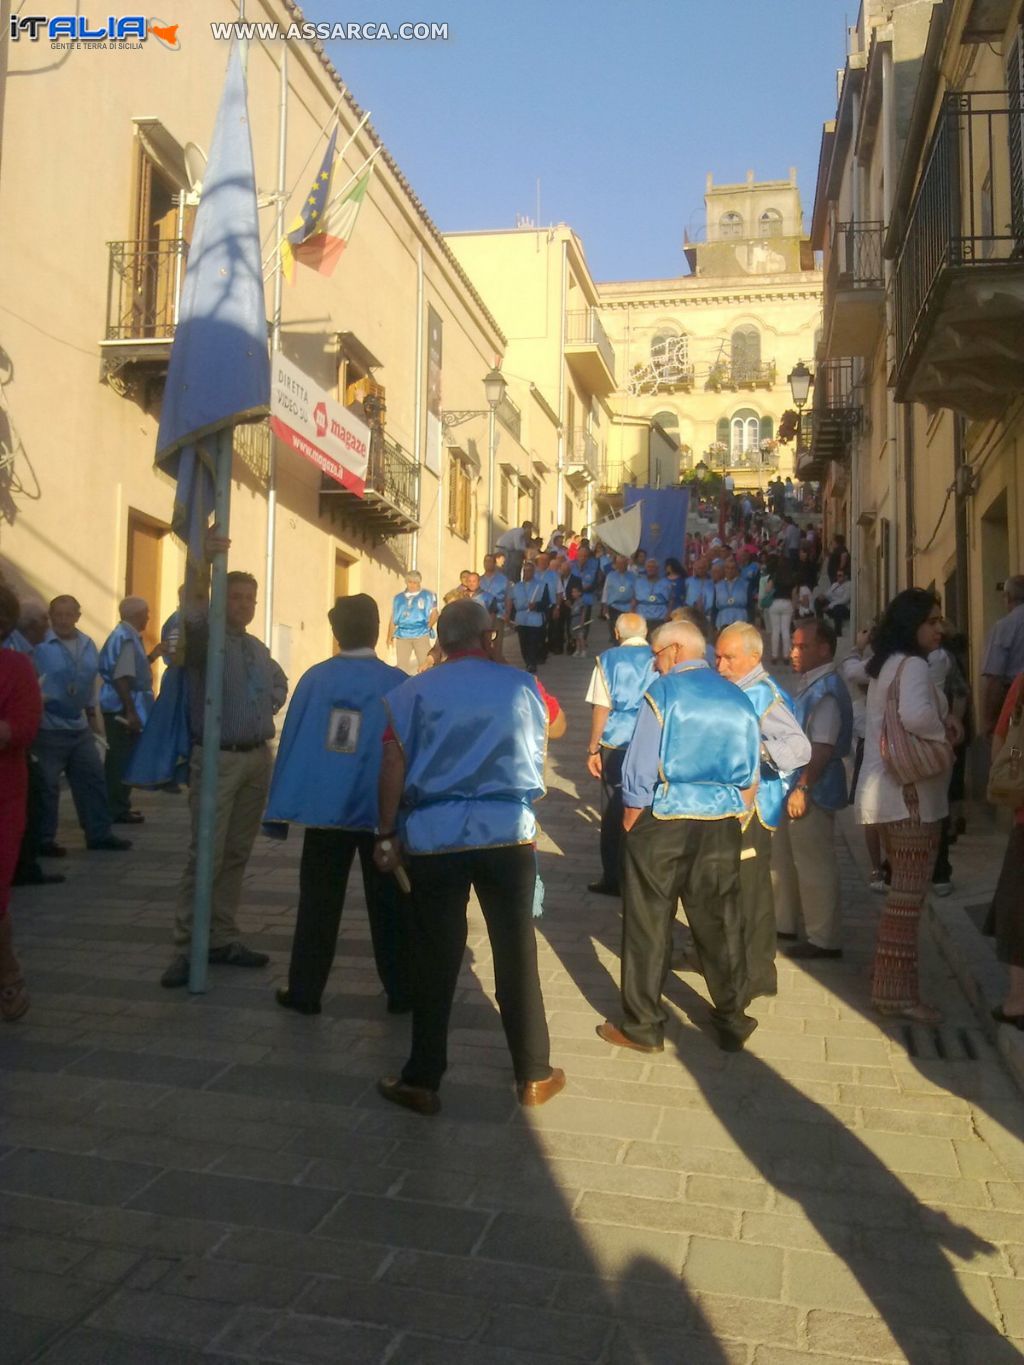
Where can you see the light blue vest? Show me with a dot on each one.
(628, 671)
(700, 595)
(411, 615)
(321, 778)
(525, 597)
(710, 744)
(142, 684)
(619, 590)
(730, 602)
(588, 578)
(17, 643)
(473, 734)
(653, 599)
(774, 786)
(496, 585)
(67, 685)
(830, 791)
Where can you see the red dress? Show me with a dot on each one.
(21, 706)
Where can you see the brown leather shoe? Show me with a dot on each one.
(617, 1038)
(532, 1093)
(415, 1097)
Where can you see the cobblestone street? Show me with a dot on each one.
(215, 1179)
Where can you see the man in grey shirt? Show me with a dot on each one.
(1004, 652)
(255, 689)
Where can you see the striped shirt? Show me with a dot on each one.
(255, 687)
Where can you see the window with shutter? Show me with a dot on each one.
(770, 224)
(731, 225)
(767, 428)
(746, 354)
(722, 431)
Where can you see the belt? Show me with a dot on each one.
(242, 748)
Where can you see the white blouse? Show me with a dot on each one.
(922, 710)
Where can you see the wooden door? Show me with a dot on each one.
(143, 573)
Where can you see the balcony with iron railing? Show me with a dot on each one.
(390, 503)
(582, 456)
(588, 351)
(827, 431)
(510, 415)
(958, 283)
(854, 296)
(741, 374)
(143, 291)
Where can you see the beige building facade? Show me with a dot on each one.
(920, 213)
(89, 296)
(704, 357)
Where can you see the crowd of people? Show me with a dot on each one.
(721, 789)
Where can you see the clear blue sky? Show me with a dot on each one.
(619, 109)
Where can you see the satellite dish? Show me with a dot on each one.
(195, 167)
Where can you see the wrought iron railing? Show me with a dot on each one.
(855, 258)
(742, 375)
(581, 452)
(968, 209)
(613, 477)
(583, 327)
(143, 288)
(834, 387)
(510, 416)
(393, 473)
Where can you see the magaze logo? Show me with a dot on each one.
(320, 419)
(77, 30)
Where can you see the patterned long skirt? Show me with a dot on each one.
(911, 848)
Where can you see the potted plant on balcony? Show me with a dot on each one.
(716, 454)
(768, 448)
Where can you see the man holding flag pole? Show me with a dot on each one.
(219, 375)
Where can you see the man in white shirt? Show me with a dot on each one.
(514, 543)
(836, 603)
(805, 871)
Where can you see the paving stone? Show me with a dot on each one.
(675, 1216)
(717, 1266)
(166, 1317)
(150, 1231)
(397, 1306)
(899, 1152)
(312, 1341)
(726, 1192)
(478, 1279)
(664, 1346)
(405, 1223)
(233, 1282)
(21, 1337)
(301, 1252)
(255, 1203)
(181, 1072)
(418, 1350)
(64, 1175)
(842, 1334)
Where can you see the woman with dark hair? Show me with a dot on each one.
(909, 816)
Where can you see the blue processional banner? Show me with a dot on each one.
(664, 512)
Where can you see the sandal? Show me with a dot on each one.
(915, 1014)
(14, 999)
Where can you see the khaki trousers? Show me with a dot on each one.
(243, 780)
(415, 648)
(805, 877)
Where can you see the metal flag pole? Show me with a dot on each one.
(275, 342)
(217, 621)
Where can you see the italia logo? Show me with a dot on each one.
(129, 31)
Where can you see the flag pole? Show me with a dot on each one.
(275, 342)
(217, 624)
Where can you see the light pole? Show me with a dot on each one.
(494, 392)
(800, 381)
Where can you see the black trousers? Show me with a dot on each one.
(28, 853)
(611, 821)
(327, 856)
(120, 742)
(758, 905)
(503, 879)
(531, 646)
(699, 861)
(558, 624)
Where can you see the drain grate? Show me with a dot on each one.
(942, 1044)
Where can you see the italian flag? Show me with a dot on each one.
(322, 251)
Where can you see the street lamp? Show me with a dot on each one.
(800, 381)
(494, 392)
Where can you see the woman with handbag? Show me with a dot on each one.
(1006, 788)
(903, 788)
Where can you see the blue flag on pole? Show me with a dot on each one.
(219, 372)
(664, 512)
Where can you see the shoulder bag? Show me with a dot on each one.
(910, 758)
(1006, 776)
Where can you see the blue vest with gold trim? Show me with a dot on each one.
(710, 743)
(830, 791)
(142, 683)
(628, 671)
(773, 787)
(473, 734)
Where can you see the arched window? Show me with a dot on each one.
(669, 351)
(744, 432)
(770, 224)
(664, 464)
(746, 354)
(731, 225)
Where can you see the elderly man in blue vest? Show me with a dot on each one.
(68, 666)
(804, 866)
(654, 595)
(688, 784)
(619, 592)
(126, 699)
(463, 763)
(621, 677)
(413, 617)
(325, 778)
(784, 751)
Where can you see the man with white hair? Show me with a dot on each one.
(688, 784)
(126, 699)
(33, 623)
(785, 749)
(621, 677)
(463, 763)
(413, 617)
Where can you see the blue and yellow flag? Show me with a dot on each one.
(311, 215)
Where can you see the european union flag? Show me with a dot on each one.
(219, 372)
(664, 512)
(312, 212)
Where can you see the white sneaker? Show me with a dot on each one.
(942, 888)
(878, 883)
